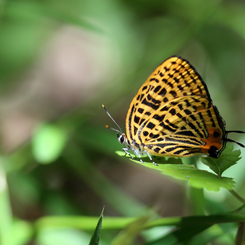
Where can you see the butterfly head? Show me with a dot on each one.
(122, 139)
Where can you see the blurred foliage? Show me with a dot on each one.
(58, 166)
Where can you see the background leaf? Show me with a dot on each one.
(48, 142)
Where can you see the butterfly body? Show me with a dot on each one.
(173, 115)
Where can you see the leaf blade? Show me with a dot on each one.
(195, 177)
(96, 235)
(227, 159)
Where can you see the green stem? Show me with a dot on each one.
(240, 234)
(238, 197)
(117, 223)
(238, 209)
(5, 210)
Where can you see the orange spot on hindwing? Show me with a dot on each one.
(213, 143)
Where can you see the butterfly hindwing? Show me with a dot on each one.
(182, 133)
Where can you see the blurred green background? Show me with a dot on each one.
(60, 61)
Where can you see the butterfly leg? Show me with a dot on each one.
(151, 158)
(137, 154)
(127, 153)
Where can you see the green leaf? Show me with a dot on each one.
(226, 160)
(196, 219)
(48, 142)
(197, 178)
(22, 232)
(96, 236)
(158, 160)
(181, 235)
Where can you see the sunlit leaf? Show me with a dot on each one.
(197, 178)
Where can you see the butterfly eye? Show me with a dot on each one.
(120, 138)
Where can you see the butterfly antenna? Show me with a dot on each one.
(235, 131)
(233, 141)
(120, 130)
(116, 130)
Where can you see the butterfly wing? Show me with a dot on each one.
(172, 113)
(183, 132)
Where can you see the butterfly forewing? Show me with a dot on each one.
(172, 113)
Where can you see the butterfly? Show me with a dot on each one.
(173, 115)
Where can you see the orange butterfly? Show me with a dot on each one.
(173, 115)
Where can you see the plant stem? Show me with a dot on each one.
(5, 210)
(238, 197)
